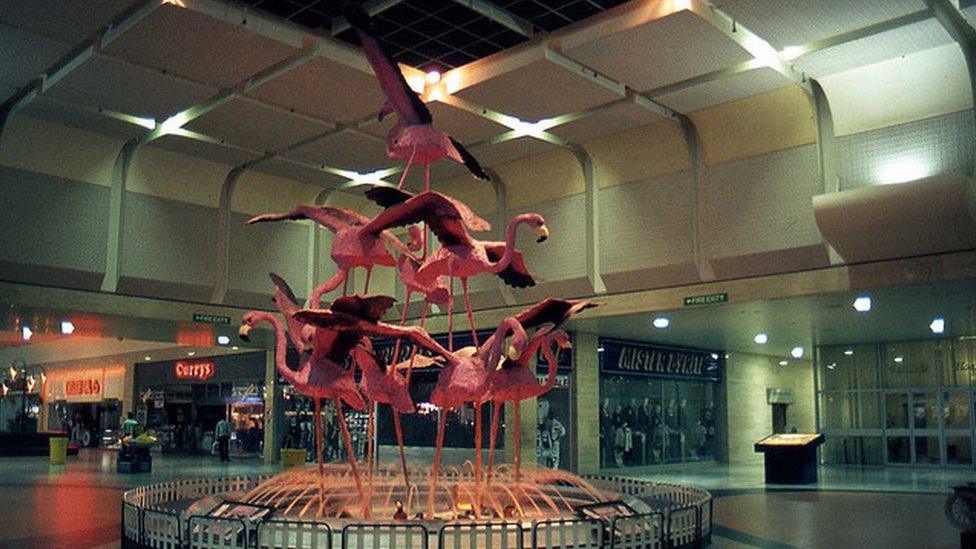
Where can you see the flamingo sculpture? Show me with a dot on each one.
(460, 255)
(413, 138)
(356, 243)
(320, 376)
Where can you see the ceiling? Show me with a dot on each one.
(896, 314)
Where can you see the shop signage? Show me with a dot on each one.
(562, 381)
(197, 371)
(210, 319)
(639, 358)
(82, 387)
(707, 299)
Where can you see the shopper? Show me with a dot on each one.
(222, 432)
(129, 425)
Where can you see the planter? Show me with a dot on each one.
(291, 457)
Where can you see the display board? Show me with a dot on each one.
(786, 440)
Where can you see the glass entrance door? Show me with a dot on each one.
(957, 418)
(912, 430)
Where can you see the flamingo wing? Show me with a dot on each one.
(551, 310)
(400, 97)
(282, 288)
(387, 196)
(369, 308)
(440, 213)
(470, 162)
(516, 274)
(334, 345)
(334, 219)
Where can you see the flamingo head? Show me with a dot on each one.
(561, 339)
(414, 239)
(248, 322)
(538, 224)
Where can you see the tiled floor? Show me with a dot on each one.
(77, 505)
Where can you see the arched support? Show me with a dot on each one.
(826, 142)
(592, 216)
(222, 252)
(116, 214)
(501, 221)
(696, 163)
(959, 28)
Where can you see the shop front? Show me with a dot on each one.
(657, 403)
(85, 402)
(181, 401)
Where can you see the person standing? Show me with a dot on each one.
(129, 425)
(222, 432)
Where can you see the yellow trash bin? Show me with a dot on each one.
(58, 450)
(292, 457)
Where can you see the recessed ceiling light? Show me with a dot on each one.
(761, 338)
(67, 328)
(937, 326)
(600, 349)
(223, 340)
(832, 365)
(661, 322)
(783, 363)
(714, 356)
(234, 347)
(849, 352)
(147, 357)
(26, 333)
(191, 353)
(862, 304)
(899, 359)
(796, 352)
(433, 77)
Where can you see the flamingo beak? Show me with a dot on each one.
(513, 353)
(244, 332)
(564, 343)
(543, 233)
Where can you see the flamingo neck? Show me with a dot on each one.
(510, 235)
(281, 346)
(553, 365)
(496, 343)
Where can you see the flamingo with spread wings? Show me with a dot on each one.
(413, 138)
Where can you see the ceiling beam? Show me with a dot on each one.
(373, 7)
(499, 15)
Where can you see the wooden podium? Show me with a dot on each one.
(791, 458)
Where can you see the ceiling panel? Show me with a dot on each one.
(716, 92)
(880, 47)
(26, 56)
(510, 150)
(246, 122)
(347, 150)
(71, 21)
(616, 119)
(289, 170)
(190, 44)
(325, 89)
(203, 149)
(661, 52)
(111, 84)
(540, 89)
(55, 111)
(785, 23)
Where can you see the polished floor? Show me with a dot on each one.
(77, 505)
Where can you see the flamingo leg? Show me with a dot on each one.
(517, 438)
(450, 316)
(406, 169)
(493, 439)
(370, 418)
(403, 454)
(345, 285)
(467, 306)
(435, 470)
(403, 321)
(318, 450)
(369, 273)
(477, 459)
(352, 458)
(416, 348)
(427, 177)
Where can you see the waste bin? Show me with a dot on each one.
(292, 457)
(58, 447)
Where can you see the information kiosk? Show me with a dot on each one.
(791, 458)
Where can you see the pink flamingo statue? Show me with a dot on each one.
(321, 376)
(413, 137)
(460, 255)
(356, 243)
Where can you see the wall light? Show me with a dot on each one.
(848, 352)
(661, 322)
(902, 170)
(67, 328)
(899, 359)
(937, 326)
(147, 357)
(796, 352)
(714, 356)
(600, 349)
(26, 333)
(862, 304)
(832, 365)
(223, 340)
(783, 363)
(761, 338)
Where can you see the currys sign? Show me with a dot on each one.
(82, 387)
(626, 357)
(196, 371)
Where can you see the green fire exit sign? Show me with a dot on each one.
(708, 299)
(211, 319)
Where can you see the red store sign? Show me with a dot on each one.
(198, 371)
(82, 387)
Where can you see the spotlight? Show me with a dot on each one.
(600, 349)
(147, 357)
(223, 340)
(234, 347)
(937, 326)
(661, 322)
(433, 76)
(761, 338)
(714, 356)
(832, 365)
(67, 328)
(862, 304)
(796, 352)
(899, 359)
(783, 363)
(848, 352)
(191, 353)
(26, 333)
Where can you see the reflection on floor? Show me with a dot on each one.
(77, 505)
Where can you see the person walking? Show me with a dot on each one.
(130, 425)
(222, 432)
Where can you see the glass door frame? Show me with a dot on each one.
(948, 432)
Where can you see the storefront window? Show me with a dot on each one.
(656, 404)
